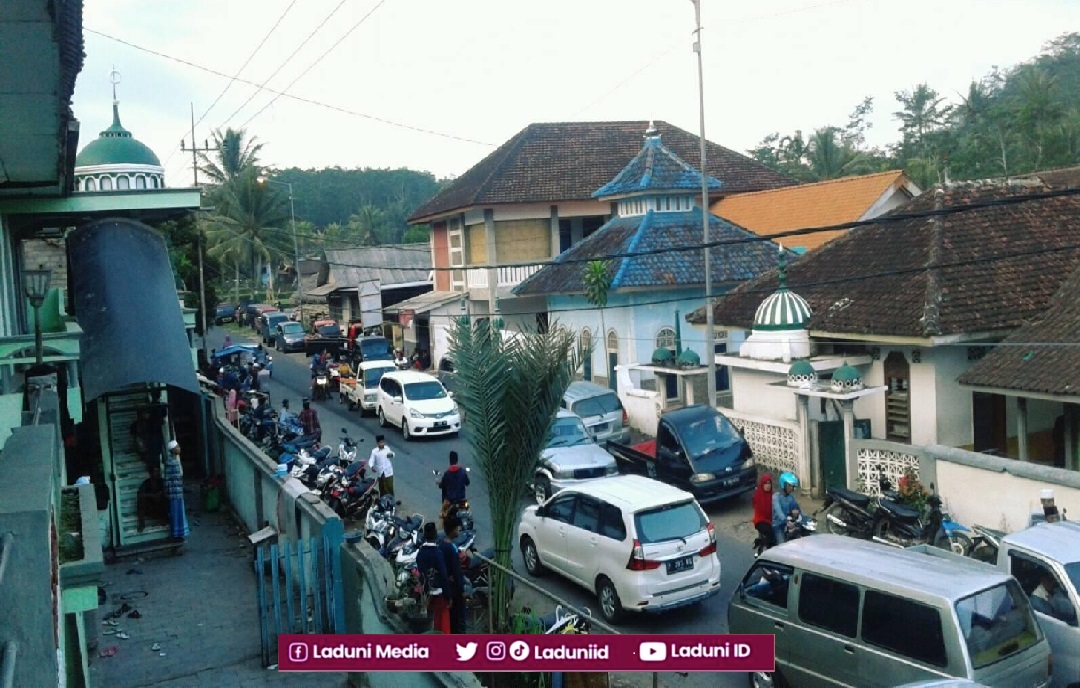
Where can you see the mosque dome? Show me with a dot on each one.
(117, 161)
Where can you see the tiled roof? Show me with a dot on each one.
(655, 168)
(349, 268)
(999, 268)
(1032, 358)
(808, 205)
(568, 161)
(649, 233)
(1062, 178)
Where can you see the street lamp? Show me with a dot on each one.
(296, 244)
(710, 334)
(36, 285)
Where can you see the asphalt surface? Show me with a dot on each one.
(415, 485)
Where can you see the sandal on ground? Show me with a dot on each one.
(155, 647)
(109, 652)
(122, 636)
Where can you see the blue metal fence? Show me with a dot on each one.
(298, 591)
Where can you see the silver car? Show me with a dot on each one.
(570, 458)
(600, 409)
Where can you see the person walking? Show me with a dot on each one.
(262, 376)
(174, 490)
(431, 564)
(452, 483)
(455, 576)
(309, 419)
(763, 514)
(380, 465)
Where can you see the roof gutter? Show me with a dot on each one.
(1004, 391)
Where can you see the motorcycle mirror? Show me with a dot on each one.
(434, 471)
(344, 431)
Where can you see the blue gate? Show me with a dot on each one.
(297, 590)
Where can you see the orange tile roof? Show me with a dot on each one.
(807, 205)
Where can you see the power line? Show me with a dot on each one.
(753, 238)
(318, 60)
(250, 57)
(284, 62)
(300, 99)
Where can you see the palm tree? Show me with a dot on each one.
(368, 225)
(510, 390)
(232, 156)
(829, 157)
(242, 227)
(922, 113)
(597, 278)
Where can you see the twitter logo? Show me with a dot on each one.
(465, 652)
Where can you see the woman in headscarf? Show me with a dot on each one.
(174, 491)
(763, 514)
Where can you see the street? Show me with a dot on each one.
(415, 484)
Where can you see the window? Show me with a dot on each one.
(154, 182)
(669, 522)
(373, 375)
(897, 398)
(769, 583)
(587, 515)
(611, 522)
(565, 235)
(590, 225)
(424, 391)
(562, 509)
(665, 338)
(586, 338)
(997, 623)
(888, 622)
(123, 183)
(1043, 587)
(106, 184)
(613, 341)
(600, 405)
(140, 182)
(829, 604)
(91, 185)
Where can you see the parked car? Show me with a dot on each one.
(373, 348)
(289, 336)
(418, 404)
(697, 449)
(242, 311)
(570, 458)
(257, 312)
(601, 410)
(848, 612)
(226, 312)
(365, 393)
(638, 544)
(268, 323)
(446, 373)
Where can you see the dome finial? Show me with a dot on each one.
(651, 132)
(783, 266)
(114, 78)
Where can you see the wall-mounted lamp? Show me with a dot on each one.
(36, 286)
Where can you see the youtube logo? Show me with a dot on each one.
(652, 652)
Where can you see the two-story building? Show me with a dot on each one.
(532, 199)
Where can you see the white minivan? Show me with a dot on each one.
(418, 404)
(639, 544)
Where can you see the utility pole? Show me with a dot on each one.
(195, 150)
(710, 331)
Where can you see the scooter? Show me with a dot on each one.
(403, 532)
(459, 508)
(379, 520)
(320, 385)
(901, 526)
(353, 494)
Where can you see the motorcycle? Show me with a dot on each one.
(401, 534)
(901, 526)
(320, 385)
(378, 521)
(458, 507)
(848, 513)
(353, 494)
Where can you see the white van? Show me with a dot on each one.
(418, 404)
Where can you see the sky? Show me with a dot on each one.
(436, 85)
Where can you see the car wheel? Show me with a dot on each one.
(610, 605)
(531, 557)
(382, 418)
(405, 434)
(767, 679)
(541, 489)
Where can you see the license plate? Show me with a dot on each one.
(441, 424)
(683, 564)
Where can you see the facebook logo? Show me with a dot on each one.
(298, 652)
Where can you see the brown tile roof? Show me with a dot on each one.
(568, 161)
(1062, 178)
(1031, 359)
(998, 267)
(821, 204)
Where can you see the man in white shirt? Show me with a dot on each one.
(380, 466)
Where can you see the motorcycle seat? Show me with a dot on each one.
(463, 537)
(900, 511)
(354, 468)
(858, 499)
(321, 454)
(362, 487)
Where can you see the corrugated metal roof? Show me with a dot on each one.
(424, 302)
(390, 265)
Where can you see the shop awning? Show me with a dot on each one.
(126, 304)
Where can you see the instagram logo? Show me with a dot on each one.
(298, 652)
(496, 651)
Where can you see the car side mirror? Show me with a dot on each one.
(541, 512)
(397, 400)
(450, 394)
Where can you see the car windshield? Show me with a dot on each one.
(329, 330)
(708, 434)
(1073, 572)
(373, 375)
(598, 406)
(997, 623)
(375, 347)
(292, 328)
(669, 522)
(424, 391)
(568, 432)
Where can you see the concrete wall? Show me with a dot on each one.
(752, 390)
(955, 426)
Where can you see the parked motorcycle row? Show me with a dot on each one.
(884, 519)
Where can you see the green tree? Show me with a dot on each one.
(234, 154)
(510, 389)
(923, 111)
(597, 277)
(829, 156)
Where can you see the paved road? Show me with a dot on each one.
(414, 483)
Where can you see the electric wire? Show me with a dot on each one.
(299, 99)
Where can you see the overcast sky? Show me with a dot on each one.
(440, 83)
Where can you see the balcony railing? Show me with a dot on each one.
(509, 276)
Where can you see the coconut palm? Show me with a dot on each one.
(510, 389)
(829, 157)
(597, 278)
(232, 156)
